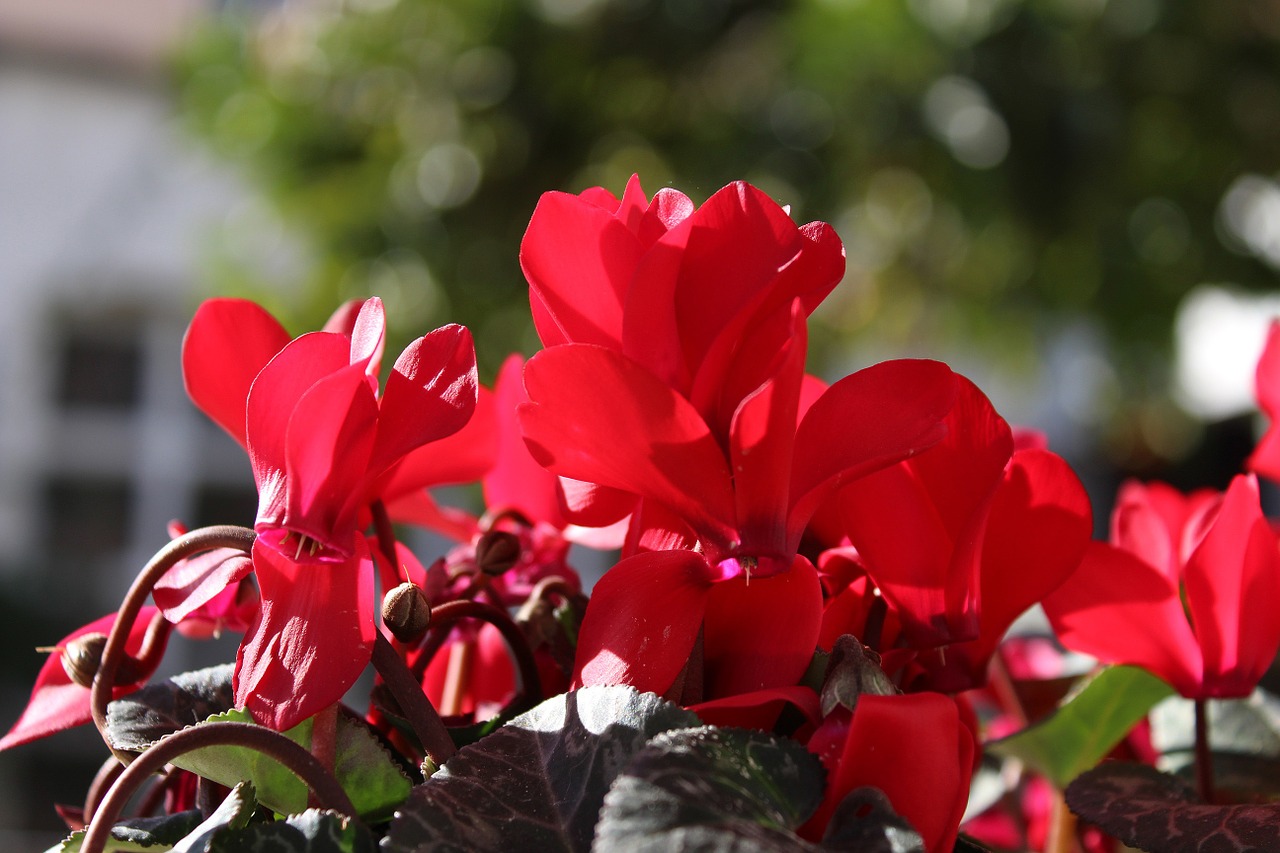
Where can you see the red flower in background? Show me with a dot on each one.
(1187, 589)
(323, 444)
(1266, 456)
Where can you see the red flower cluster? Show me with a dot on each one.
(763, 514)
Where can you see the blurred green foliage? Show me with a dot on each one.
(994, 166)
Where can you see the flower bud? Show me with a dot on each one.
(82, 656)
(406, 613)
(497, 551)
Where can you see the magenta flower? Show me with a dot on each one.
(323, 445)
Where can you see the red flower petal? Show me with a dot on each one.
(642, 620)
(1232, 586)
(275, 394)
(369, 337)
(760, 445)
(462, 457)
(227, 344)
(597, 416)
(760, 709)
(516, 480)
(761, 634)
(867, 420)
(1120, 609)
(57, 703)
(312, 639)
(196, 581)
(1266, 456)
(579, 259)
(430, 394)
(916, 749)
(330, 437)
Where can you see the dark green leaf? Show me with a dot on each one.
(150, 833)
(142, 718)
(538, 782)
(865, 822)
(1088, 725)
(312, 831)
(372, 779)
(728, 789)
(1154, 811)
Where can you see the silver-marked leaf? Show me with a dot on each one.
(233, 813)
(538, 782)
(313, 831)
(865, 822)
(370, 776)
(712, 790)
(139, 834)
(140, 719)
(1156, 812)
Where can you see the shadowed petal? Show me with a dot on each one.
(1266, 456)
(873, 418)
(762, 634)
(57, 703)
(516, 480)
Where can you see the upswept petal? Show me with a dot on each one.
(312, 639)
(369, 338)
(272, 399)
(431, 393)
(329, 439)
(579, 259)
(343, 319)
(747, 340)
(761, 633)
(227, 344)
(1233, 588)
(868, 420)
(462, 457)
(1121, 609)
(1037, 531)
(516, 480)
(714, 264)
(1147, 522)
(919, 524)
(1265, 459)
(597, 416)
(908, 551)
(761, 440)
(642, 621)
(57, 703)
(589, 505)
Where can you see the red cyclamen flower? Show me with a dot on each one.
(694, 404)
(1187, 589)
(322, 444)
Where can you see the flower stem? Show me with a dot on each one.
(302, 763)
(1204, 755)
(324, 744)
(204, 539)
(528, 684)
(415, 706)
(1062, 827)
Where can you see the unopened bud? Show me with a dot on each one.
(82, 656)
(406, 613)
(497, 551)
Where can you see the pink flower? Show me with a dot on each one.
(1187, 589)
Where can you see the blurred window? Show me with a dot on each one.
(88, 517)
(100, 372)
